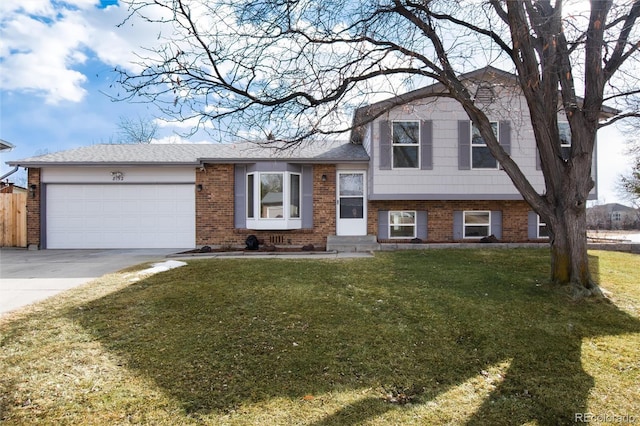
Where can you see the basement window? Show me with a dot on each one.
(543, 232)
(402, 224)
(477, 224)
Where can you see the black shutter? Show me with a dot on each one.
(464, 145)
(385, 145)
(505, 136)
(239, 198)
(383, 224)
(426, 145)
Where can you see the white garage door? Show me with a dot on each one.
(120, 216)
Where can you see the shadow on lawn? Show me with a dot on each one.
(218, 339)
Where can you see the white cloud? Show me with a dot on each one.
(187, 124)
(43, 43)
(612, 162)
(38, 56)
(177, 139)
(115, 41)
(31, 7)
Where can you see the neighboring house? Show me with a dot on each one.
(613, 216)
(413, 170)
(10, 188)
(5, 146)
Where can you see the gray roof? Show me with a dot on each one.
(611, 207)
(368, 113)
(5, 146)
(197, 154)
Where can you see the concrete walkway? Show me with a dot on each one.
(273, 255)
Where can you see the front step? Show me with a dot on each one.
(358, 243)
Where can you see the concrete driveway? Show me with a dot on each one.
(28, 276)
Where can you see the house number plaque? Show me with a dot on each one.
(117, 176)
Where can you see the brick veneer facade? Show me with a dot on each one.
(215, 211)
(33, 208)
(440, 217)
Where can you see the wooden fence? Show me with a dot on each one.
(13, 220)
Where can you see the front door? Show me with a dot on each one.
(351, 203)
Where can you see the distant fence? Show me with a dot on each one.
(13, 220)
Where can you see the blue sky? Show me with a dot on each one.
(57, 60)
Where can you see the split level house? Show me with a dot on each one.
(414, 170)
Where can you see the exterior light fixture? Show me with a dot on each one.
(199, 187)
(32, 190)
(324, 178)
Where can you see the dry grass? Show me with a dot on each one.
(420, 337)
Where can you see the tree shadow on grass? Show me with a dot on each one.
(228, 333)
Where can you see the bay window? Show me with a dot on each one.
(273, 200)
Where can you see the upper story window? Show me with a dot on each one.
(565, 139)
(273, 200)
(481, 157)
(406, 144)
(477, 224)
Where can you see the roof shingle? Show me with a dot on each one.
(196, 154)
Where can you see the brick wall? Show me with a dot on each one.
(440, 216)
(215, 211)
(33, 208)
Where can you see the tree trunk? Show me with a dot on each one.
(569, 257)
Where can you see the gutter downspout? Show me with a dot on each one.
(15, 169)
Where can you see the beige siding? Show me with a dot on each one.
(445, 178)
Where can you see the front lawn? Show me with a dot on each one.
(415, 337)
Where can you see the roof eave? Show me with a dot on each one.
(193, 164)
(286, 160)
(40, 164)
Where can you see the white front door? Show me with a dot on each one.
(351, 203)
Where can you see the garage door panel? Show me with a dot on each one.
(120, 216)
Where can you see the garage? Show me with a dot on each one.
(120, 216)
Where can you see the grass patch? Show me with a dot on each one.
(416, 337)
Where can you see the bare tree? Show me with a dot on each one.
(136, 130)
(298, 66)
(630, 183)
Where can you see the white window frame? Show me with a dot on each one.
(539, 225)
(483, 145)
(412, 145)
(413, 225)
(567, 145)
(254, 212)
(465, 225)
